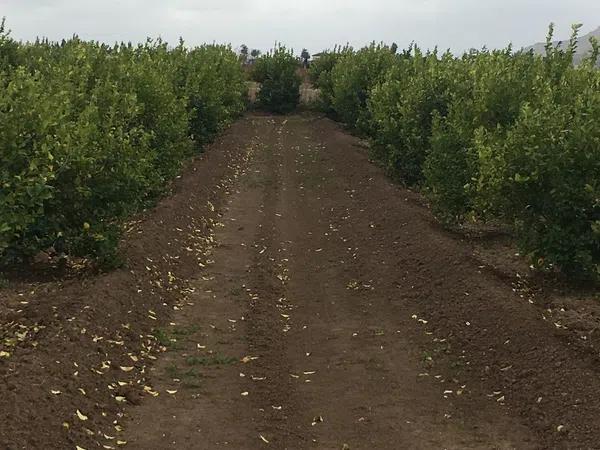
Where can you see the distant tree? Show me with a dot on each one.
(255, 53)
(305, 57)
(280, 82)
(244, 52)
(394, 48)
(8, 47)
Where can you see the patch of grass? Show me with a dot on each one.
(214, 360)
(162, 337)
(191, 385)
(185, 331)
(427, 358)
(191, 373)
(190, 378)
(173, 371)
(170, 338)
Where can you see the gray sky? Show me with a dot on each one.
(315, 24)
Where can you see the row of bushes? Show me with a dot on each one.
(490, 136)
(91, 133)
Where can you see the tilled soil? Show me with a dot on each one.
(287, 295)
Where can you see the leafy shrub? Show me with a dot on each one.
(91, 133)
(320, 76)
(449, 168)
(402, 109)
(489, 90)
(545, 175)
(353, 77)
(8, 48)
(28, 137)
(213, 108)
(493, 135)
(277, 71)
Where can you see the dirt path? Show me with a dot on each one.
(358, 324)
(289, 296)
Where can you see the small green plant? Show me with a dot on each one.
(162, 337)
(185, 330)
(213, 360)
(171, 337)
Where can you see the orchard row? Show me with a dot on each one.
(91, 133)
(502, 137)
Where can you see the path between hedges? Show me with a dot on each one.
(335, 314)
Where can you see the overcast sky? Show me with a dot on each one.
(315, 24)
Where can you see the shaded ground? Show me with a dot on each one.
(289, 296)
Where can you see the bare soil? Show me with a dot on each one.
(287, 295)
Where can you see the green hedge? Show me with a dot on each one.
(402, 108)
(543, 175)
(277, 71)
(492, 135)
(90, 134)
(353, 78)
(488, 92)
(320, 76)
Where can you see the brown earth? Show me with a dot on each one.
(287, 295)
